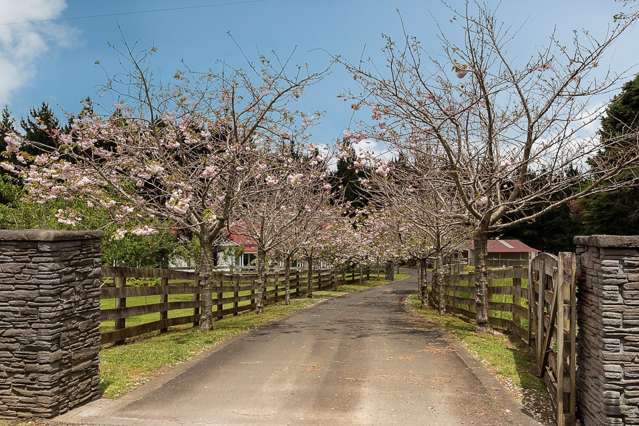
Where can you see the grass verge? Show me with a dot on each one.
(512, 362)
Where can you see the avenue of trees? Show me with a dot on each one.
(484, 144)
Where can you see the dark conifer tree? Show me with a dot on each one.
(616, 212)
(38, 127)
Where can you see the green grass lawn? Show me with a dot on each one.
(122, 368)
(500, 298)
(147, 300)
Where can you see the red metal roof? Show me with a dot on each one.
(506, 246)
(238, 236)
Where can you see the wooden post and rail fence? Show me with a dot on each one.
(536, 305)
(156, 299)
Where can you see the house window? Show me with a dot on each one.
(247, 259)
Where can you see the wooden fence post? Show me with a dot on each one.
(205, 302)
(573, 337)
(276, 277)
(120, 303)
(253, 302)
(297, 283)
(220, 297)
(516, 303)
(559, 337)
(164, 314)
(236, 294)
(361, 275)
(530, 294)
(540, 308)
(196, 302)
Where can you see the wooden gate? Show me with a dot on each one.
(552, 328)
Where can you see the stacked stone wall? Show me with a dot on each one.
(608, 329)
(49, 321)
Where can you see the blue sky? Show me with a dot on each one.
(53, 60)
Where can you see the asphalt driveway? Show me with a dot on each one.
(355, 360)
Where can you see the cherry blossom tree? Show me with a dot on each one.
(285, 203)
(184, 154)
(413, 189)
(513, 132)
(314, 230)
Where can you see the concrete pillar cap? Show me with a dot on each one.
(47, 235)
(621, 241)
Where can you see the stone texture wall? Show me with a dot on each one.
(49, 321)
(608, 327)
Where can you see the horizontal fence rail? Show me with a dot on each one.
(507, 297)
(137, 301)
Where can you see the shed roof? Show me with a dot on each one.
(506, 246)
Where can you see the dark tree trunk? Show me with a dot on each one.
(420, 283)
(309, 280)
(441, 283)
(287, 275)
(206, 269)
(480, 241)
(389, 271)
(261, 272)
(423, 285)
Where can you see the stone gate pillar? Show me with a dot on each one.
(49, 321)
(608, 329)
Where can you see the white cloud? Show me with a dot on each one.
(27, 33)
(376, 149)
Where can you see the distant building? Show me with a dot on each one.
(237, 250)
(503, 253)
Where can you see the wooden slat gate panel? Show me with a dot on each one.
(552, 328)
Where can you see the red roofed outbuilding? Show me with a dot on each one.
(237, 249)
(504, 253)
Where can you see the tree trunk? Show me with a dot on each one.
(261, 272)
(309, 279)
(206, 270)
(420, 283)
(287, 275)
(480, 241)
(441, 284)
(390, 271)
(424, 295)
